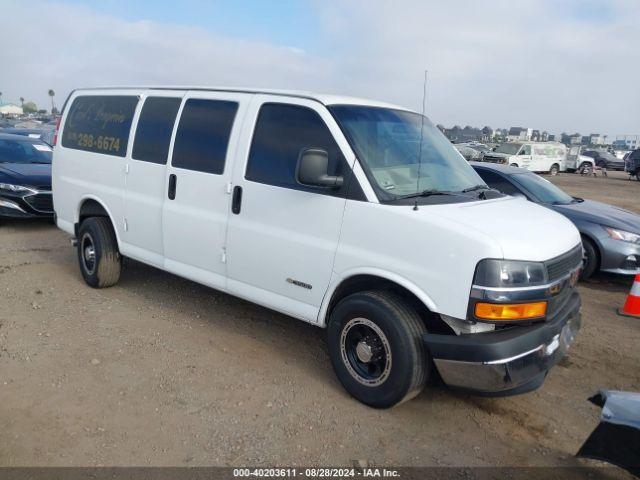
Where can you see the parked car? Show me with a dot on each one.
(632, 164)
(468, 153)
(577, 162)
(25, 177)
(610, 235)
(327, 209)
(481, 147)
(46, 135)
(549, 157)
(604, 159)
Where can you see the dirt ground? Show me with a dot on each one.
(162, 371)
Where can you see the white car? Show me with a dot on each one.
(327, 209)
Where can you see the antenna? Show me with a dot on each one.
(424, 107)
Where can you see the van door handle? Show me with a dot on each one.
(236, 201)
(173, 180)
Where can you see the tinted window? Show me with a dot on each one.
(155, 126)
(498, 182)
(99, 124)
(203, 135)
(281, 133)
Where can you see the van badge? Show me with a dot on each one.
(298, 283)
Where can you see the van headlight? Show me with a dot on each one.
(497, 274)
(15, 188)
(509, 273)
(622, 235)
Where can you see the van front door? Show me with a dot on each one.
(196, 205)
(283, 235)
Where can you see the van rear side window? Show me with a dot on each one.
(100, 124)
(153, 133)
(203, 135)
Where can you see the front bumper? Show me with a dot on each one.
(618, 257)
(26, 205)
(505, 362)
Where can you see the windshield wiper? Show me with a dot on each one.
(476, 187)
(426, 193)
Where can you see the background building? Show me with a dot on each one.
(627, 141)
(10, 109)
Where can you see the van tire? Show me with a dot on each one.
(98, 254)
(554, 170)
(406, 365)
(591, 259)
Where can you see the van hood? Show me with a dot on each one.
(521, 229)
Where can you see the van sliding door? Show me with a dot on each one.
(197, 190)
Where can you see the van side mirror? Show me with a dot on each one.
(313, 169)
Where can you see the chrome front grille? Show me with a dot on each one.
(560, 266)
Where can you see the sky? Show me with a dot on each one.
(555, 65)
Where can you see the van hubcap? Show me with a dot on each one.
(365, 351)
(88, 251)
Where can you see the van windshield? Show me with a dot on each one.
(508, 148)
(387, 143)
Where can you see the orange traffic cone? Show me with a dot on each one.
(632, 305)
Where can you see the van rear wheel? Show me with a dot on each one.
(98, 255)
(376, 348)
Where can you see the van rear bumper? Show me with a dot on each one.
(505, 362)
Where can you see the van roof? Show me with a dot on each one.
(325, 99)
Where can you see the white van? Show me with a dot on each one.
(546, 157)
(328, 209)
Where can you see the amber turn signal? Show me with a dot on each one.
(510, 311)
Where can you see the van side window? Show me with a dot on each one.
(526, 150)
(282, 131)
(203, 135)
(153, 133)
(100, 124)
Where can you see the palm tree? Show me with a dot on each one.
(21, 101)
(52, 94)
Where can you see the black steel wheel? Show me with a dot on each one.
(375, 345)
(98, 255)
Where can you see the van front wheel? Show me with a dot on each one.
(98, 255)
(555, 168)
(376, 348)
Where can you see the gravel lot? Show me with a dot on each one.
(162, 371)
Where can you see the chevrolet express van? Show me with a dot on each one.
(543, 157)
(331, 210)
